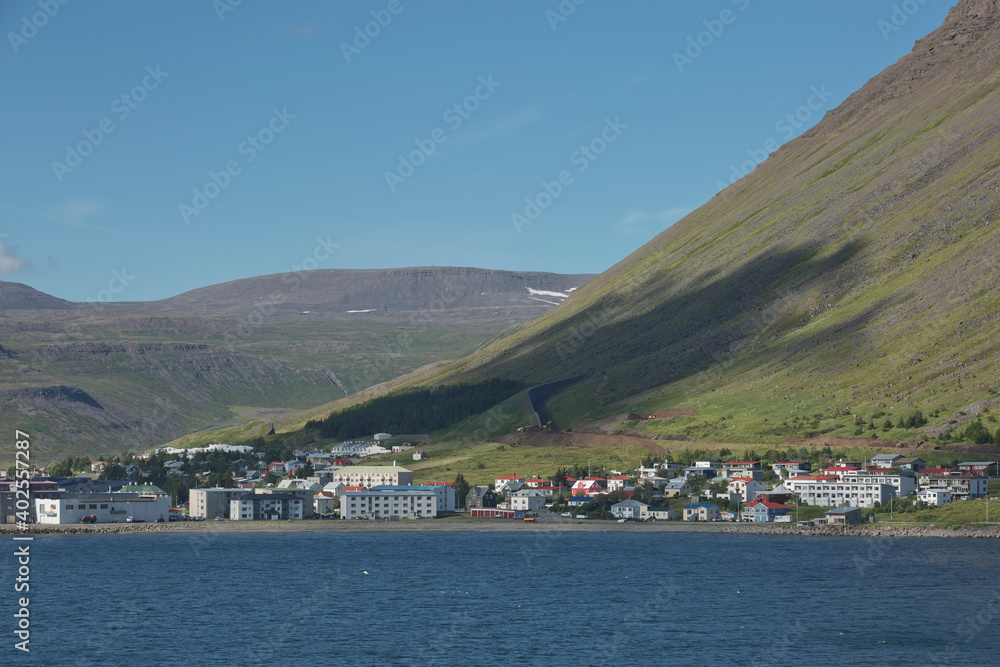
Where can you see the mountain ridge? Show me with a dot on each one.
(98, 378)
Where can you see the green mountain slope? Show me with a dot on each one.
(856, 267)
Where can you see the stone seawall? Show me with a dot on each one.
(477, 525)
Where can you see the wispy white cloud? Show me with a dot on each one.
(10, 263)
(635, 80)
(70, 214)
(636, 217)
(498, 128)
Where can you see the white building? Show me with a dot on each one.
(369, 476)
(825, 491)
(389, 503)
(628, 509)
(902, 484)
(935, 497)
(104, 507)
(527, 499)
(746, 487)
(357, 449)
(211, 503)
(334, 488)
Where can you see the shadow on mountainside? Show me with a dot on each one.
(715, 319)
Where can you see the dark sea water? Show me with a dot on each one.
(507, 599)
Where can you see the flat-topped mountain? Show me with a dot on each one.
(382, 291)
(99, 378)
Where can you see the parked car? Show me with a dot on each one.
(89, 519)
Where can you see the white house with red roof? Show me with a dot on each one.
(508, 484)
(277, 467)
(536, 482)
(746, 487)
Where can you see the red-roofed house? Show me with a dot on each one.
(536, 482)
(508, 483)
(277, 467)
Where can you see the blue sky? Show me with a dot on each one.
(152, 148)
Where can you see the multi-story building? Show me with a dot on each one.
(447, 497)
(369, 476)
(393, 502)
(211, 503)
(9, 497)
(962, 487)
(751, 469)
(978, 467)
(747, 487)
(701, 512)
(527, 499)
(826, 491)
(266, 506)
(903, 485)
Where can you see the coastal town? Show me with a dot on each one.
(343, 483)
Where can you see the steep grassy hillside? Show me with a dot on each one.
(856, 268)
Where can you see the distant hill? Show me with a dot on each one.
(15, 296)
(382, 291)
(101, 378)
(855, 269)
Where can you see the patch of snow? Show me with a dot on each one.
(541, 292)
(370, 310)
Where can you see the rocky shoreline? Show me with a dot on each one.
(480, 525)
